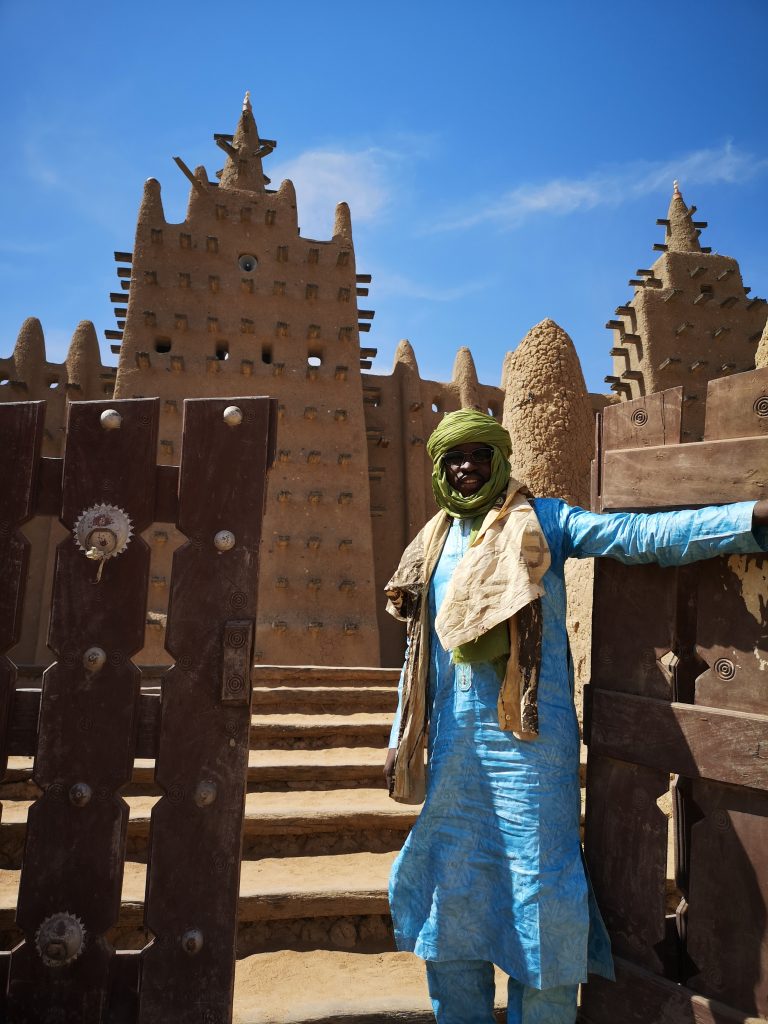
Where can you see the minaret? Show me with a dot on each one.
(465, 380)
(234, 301)
(761, 357)
(689, 320)
(244, 151)
(548, 414)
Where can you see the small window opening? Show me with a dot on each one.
(222, 350)
(314, 359)
(266, 354)
(436, 405)
(493, 409)
(162, 345)
(53, 384)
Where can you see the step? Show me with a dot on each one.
(281, 731)
(324, 675)
(293, 769)
(324, 987)
(324, 699)
(271, 889)
(276, 823)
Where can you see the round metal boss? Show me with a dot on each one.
(94, 659)
(192, 941)
(205, 793)
(247, 263)
(60, 939)
(224, 540)
(103, 531)
(80, 794)
(111, 419)
(233, 416)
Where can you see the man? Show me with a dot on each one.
(492, 872)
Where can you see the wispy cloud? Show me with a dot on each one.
(610, 187)
(397, 285)
(324, 177)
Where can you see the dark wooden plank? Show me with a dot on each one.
(22, 733)
(48, 490)
(634, 627)
(75, 841)
(639, 997)
(166, 494)
(727, 926)
(193, 878)
(21, 435)
(732, 633)
(737, 406)
(698, 742)
(703, 473)
(643, 422)
(626, 851)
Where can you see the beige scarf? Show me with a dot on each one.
(497, 580)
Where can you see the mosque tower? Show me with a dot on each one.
(690, 320)
(234, 301)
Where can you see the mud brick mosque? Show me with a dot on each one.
(235, 301)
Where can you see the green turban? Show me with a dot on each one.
(460, 427)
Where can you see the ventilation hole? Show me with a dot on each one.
(436, 406)
(314, 360)
(247, 263)
(222, 350)
(266, 354)
(162, 345)
(53, 384)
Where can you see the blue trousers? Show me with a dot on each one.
(462, 992)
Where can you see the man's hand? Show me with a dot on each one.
(760, 513)
(389, 767)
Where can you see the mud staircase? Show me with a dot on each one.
(314, 935)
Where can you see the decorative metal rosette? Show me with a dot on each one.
(103, 531)
(60, 939)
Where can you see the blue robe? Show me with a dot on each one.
(493, 868)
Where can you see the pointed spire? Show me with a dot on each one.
(406, 357)
(342, 223)
(84, 357)
(200, 193)
(151, 213)
(682, 235)
(548, 414)
(761, 356)
(465, 379)
(29, 354)
(243, 168)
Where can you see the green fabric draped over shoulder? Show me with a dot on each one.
(461, 427)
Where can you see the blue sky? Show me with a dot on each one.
(504, 161)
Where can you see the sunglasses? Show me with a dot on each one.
(479, 456)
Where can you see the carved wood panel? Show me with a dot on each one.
(194, 867)
(71, 877)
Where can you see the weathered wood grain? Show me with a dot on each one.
(703, 473)
(737, 406)
(640, 997)
(643, 422)
(192, 885)
(75, 840)
(698, 742)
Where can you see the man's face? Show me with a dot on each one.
(468, 467)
